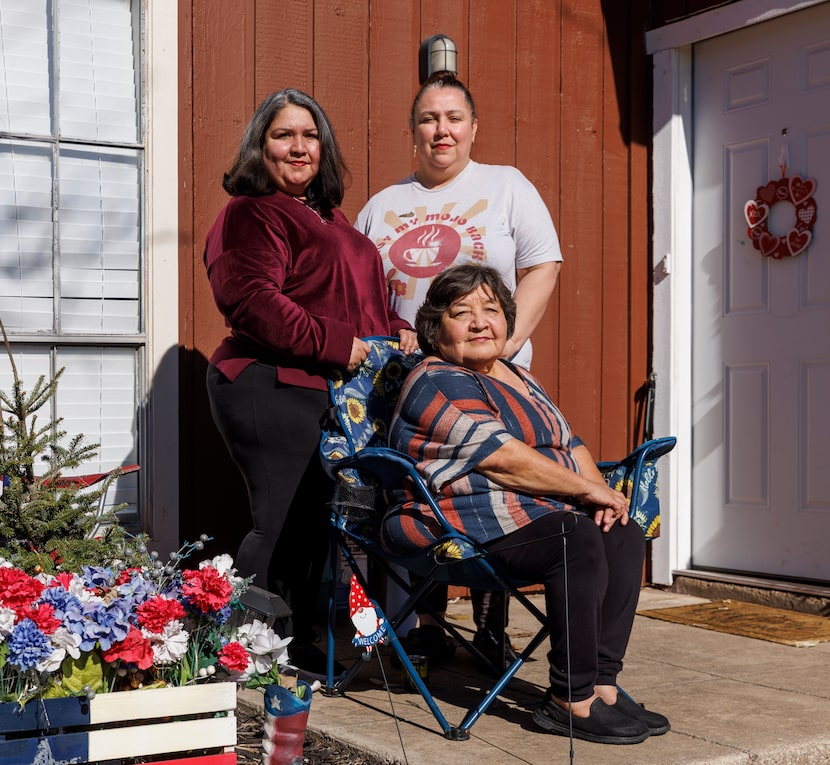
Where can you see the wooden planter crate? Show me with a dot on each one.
(193, 724)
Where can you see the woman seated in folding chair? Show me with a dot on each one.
(508, 472)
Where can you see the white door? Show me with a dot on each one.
(761, 326)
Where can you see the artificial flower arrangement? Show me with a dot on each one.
(119, 628)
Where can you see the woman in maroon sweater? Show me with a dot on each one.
(298, 287)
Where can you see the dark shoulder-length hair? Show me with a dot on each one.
(250, 178)
(449, 286)
(442, 79)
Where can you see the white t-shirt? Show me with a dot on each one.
(488, 214)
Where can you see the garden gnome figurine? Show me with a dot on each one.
(370, 628)
(286, 717)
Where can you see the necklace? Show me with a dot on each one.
(309, 207)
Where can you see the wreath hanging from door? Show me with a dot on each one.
(797, 191)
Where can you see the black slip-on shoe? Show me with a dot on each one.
(657, 724)
(603, 726)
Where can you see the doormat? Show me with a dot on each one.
(749, 620)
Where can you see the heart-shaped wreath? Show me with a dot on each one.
(799, 192)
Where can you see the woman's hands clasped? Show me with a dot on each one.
(610, 505)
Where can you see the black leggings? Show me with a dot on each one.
(604, 576)
(272, 432)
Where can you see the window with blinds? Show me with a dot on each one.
(71, 260)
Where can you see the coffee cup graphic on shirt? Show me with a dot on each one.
(425, 251)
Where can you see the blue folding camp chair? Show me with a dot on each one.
(354, 449)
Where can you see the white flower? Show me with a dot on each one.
(169, 645)
(6, 621)
(224, 565)
(52, 662)
(64, 642)
(69, 641)
(264, 646)
(76, 588)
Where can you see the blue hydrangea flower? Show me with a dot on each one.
(101, 623)
(61, 600)
(114, 619)
(74, 616)
(27, 645)
(172, 589)
(98, 577)
(138, 589)
(88, 626)
(222, 615)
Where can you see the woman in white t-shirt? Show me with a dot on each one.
(453, 210)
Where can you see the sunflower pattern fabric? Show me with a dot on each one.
(636, 477)
(363, 403)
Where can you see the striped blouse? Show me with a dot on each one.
(449, 418)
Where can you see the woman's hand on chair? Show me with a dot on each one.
(408, 341)
(360, 351)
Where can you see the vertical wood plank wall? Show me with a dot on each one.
(562, 92)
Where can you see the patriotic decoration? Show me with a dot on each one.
(370, 628)
(198, 720)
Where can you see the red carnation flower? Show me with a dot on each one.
(43, 615)
(207, 589)
(234, 657)
(126, 575)
(62, 578)
(155, 613)
(133, 649)
(18, 590)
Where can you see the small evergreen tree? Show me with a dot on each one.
(47, 520)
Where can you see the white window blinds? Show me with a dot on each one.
(26, 234)
(97, 71)
(69, 213)
(97, 397)
(71, 177)
(98, 241)
(24, 75)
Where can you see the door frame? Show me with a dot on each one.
(160, 451)
(672, 205)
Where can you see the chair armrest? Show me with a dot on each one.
(646, 453)
(389, 467)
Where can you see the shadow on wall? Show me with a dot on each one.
(213, 499)
(625, 32)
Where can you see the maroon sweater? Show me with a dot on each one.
(293, 289)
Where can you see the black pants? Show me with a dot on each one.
(604, 575)
(272, 432)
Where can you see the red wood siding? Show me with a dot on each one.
(562, 92)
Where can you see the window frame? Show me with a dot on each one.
(155, 51)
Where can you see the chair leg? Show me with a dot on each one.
(337, 686)
(493, 693)
(334, 560)
(502, 634)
